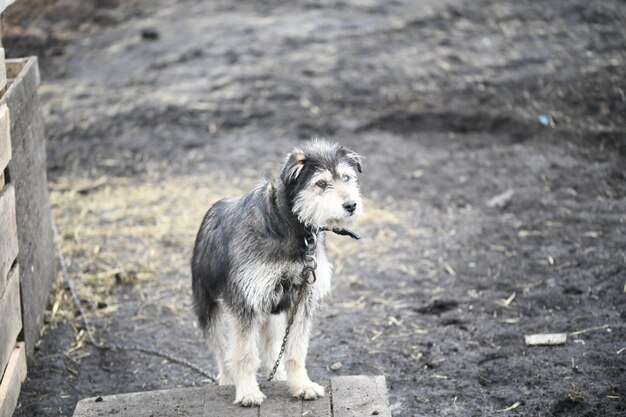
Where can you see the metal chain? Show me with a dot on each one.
(308, 275)
(292, 316)
(308, 259)
(309, 263)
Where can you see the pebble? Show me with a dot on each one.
(336, 366)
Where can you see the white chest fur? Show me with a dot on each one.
(258, 281)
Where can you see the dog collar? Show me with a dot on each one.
(342, 232)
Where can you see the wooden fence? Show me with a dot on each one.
(12, 358)
(27, 267)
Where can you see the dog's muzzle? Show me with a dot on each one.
(349, 206)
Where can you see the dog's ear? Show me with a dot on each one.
(293, 166)
(352, 157)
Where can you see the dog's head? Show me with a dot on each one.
(321, 181)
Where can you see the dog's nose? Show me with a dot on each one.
(350, 206)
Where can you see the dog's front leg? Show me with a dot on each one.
(300, 385)
(245, 364)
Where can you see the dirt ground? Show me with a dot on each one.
(155, 110)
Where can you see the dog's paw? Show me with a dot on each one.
(307, 390)
(249, 397)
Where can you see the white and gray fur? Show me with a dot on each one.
(247, 263)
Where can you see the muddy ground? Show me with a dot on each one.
(155, 110)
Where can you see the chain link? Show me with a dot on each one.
(308, 275)
(292, 316)
(308, 259)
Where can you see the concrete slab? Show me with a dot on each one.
(354, 395)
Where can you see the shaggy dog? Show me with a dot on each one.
(249, 267)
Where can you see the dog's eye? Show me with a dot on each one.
(346, 178)
(322, 184)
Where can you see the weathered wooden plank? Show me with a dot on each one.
(14, 66)
(351, 396)
(218, 401)
(321, 406)
(545, 339)
(279, 402)
(22, 88)
(27, 170)
(24, 67)
(3, 70)
(359, 396)
(165, 403)
(28, 74)
(34, 225)
(11, 384)
(10, 317)
(5, 138)
(8, 234)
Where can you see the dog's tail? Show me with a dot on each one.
(206, 308)
(206, 289)
(209, 264)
